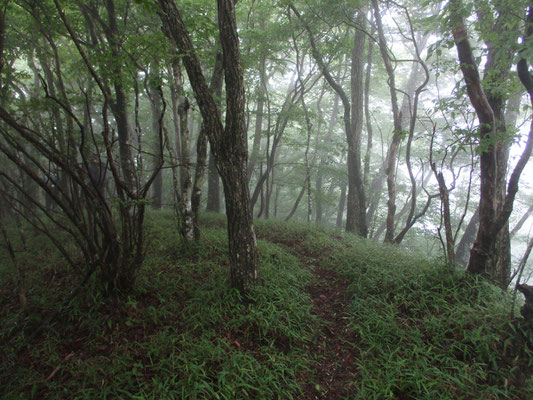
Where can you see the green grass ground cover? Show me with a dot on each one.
(421, 332)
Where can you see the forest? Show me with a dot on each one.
(254, 199)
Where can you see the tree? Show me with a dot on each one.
(353, 120)
(496, 204)
(228, 142)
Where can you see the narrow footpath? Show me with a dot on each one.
(332, 376)
(334, 372)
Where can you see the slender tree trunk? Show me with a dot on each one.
(463, 248)
(323, 159)
(261, 93)
(355, 219)
(213, 186)
(521, 222)
(217, 80)
(120, 104)
(392, 154)
(155, 103)
(368, 119)
(342, 203)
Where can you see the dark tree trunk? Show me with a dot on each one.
(490, 251)
(119, 105)
(229, 144)
(213, 186)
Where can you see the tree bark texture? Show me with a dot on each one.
(494, 208)
(356, 201)
(229, 142)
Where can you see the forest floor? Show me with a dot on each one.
(335, 317)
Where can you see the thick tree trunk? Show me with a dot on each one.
(229, 143)
(485, 258)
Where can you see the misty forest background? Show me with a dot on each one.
(122, 122)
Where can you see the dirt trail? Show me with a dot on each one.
(334, 372)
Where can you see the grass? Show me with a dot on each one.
(420, 332)
(183, 333)
(424, 333)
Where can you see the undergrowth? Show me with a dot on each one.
(427, 333)
(421, 332)
(183, 333)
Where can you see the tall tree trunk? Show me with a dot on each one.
(356, 201)
(228, 143)
(356, 220)
(155, 104)
(392, 154)
(119, 104)
(261, 94)
(368, 119)
(217, 80)
(494, 214)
